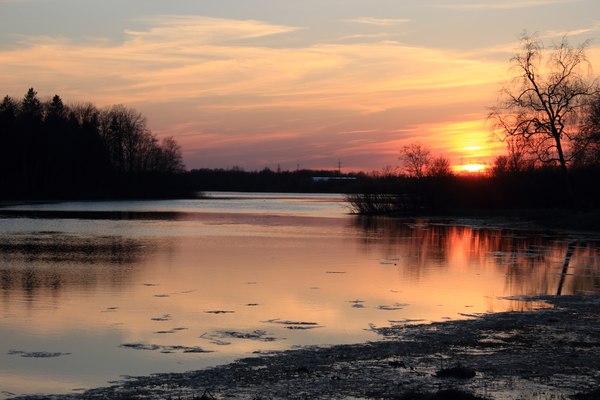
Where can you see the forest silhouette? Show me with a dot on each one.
(54, 151)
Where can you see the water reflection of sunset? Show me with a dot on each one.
(246, 273)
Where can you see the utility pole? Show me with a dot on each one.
(340, 167)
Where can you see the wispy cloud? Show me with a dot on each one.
(574, 32)
(207, 29)
(221, 86)
(367, 36)
(502, 4)
(378, 21)
(203, 58)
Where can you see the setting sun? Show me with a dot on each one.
(471, 168)
(465, 143)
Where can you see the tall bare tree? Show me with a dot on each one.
(415, 159)
(545, 102)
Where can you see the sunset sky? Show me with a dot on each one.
(262, 83)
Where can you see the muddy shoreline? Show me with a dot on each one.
(550, 353)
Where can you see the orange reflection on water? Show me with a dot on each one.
(210, 277)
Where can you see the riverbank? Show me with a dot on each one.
(536, 219)
(561, 219)
(551, 353)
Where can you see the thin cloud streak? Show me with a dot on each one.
(503, 5)
(208, 29)
(378, 21)
(553, 34)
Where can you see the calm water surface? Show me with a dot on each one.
(92, 291)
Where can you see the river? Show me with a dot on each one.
(94, 291)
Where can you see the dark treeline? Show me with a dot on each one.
(389, 192)
(267, 180)
(54, 151)
(534, 188)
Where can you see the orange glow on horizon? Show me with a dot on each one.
(471, 168)
(287, 98)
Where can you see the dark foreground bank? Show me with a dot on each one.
(547, 354)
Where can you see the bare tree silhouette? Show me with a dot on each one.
(546, 100)
(415, 159)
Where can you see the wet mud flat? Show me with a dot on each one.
(551, 353)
